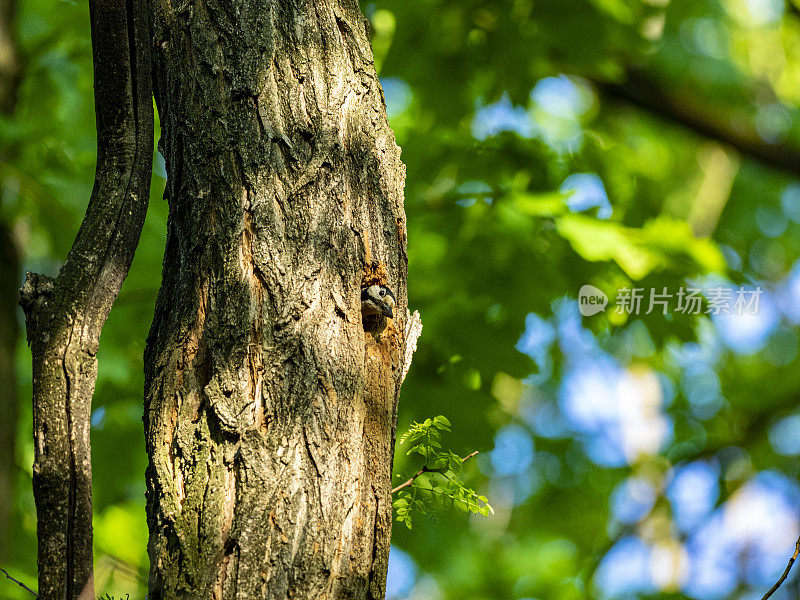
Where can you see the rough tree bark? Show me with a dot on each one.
(269, 411)
(65, 314)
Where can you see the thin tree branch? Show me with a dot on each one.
(679, 107)
(10, 76)
(10, 273)
(18, 582)
(780, 581)
(411, 479)
(65, 315)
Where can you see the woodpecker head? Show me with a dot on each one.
(377, 300)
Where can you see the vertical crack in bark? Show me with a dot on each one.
(376, 543)
(73, 475)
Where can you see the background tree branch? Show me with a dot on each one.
(10, 67)
(9, 280)
(641, 91)
(785, 573)
(65, 315)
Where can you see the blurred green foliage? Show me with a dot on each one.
(529, 175)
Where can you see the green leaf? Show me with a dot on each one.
(438, 464)
(442, 420)
(662, 242)
(548, 204)
(597, 240)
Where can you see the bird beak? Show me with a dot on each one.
(387, 310)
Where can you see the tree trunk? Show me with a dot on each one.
(65, 315)
(269, 411)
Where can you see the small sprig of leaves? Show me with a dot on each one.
(438, 484)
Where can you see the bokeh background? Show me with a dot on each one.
(549, 144)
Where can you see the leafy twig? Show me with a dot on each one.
(424, 469)
(443, 466)
(778, 583)
(22, 585)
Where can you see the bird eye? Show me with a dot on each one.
(383, 292)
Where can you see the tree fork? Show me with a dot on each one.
(64, 316)
(269, 411)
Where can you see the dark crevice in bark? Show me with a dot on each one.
(376, 548)
(72, 590)
(65, 315)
